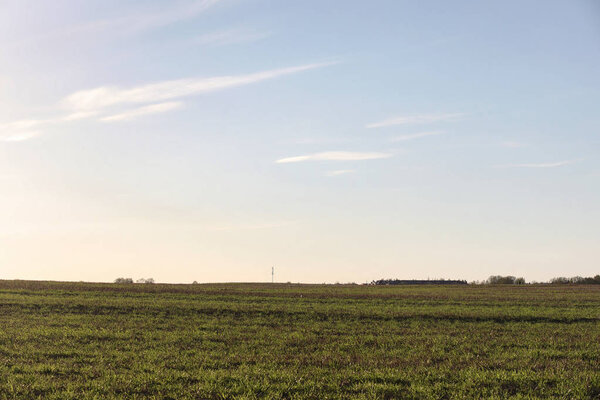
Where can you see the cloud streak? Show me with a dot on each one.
(539, 165)
(166, 17)
(106, 96)
(158, 97)
(230, 36)
(19, 136)
(76, 116)
(18, 131)
(249, 226)
(21, 130)
(137, 22)
(419, 135)
(137, 112)
(335, 156)
(416, 119)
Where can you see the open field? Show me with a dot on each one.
(250, 341)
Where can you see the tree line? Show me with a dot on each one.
(492, 280)
(418, 282)
(511, 280)
(577, 280)
(130, 280)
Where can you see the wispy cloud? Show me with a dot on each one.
(249, 226)
(539, 165)
(230, 36)
(412, 136)
(340, 172)
(19, 136)
(336, 156)
(166, 17)
(322, 140)
(106, 96)
(151, 109)
(79, 115)
(416, 119)
(98, 102)
(136, 22)
(17, 131)
(21, 130)
(23, 124)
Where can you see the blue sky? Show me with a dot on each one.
(338, 140)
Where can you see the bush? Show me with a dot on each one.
(142, 280)
(123, 280)
(501, 280)
(505, 280)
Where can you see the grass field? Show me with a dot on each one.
(258, 341)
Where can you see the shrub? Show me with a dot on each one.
(501, 280)
(123, 280)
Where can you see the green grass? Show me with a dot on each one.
(260, 341)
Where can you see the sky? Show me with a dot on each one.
(339, 140)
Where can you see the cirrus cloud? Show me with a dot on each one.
(158, 97)
(539, 165)
(230, 36)
(412, 136)
(151, 109)
(107, 96)
(335, 156)
(416, 119)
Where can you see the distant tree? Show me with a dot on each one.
(501, 280)
(418, 282)
(194, 283)
(123, 280)
(520, 281)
